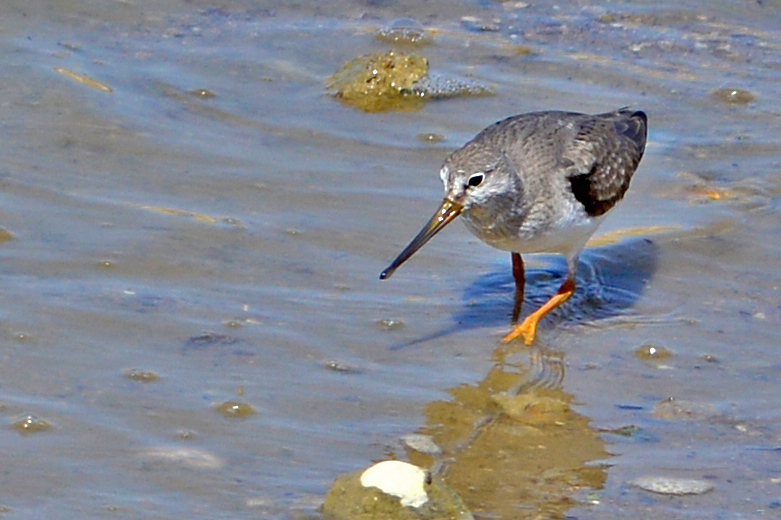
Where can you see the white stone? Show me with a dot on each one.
(398, 479)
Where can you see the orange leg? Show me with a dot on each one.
(528, 329)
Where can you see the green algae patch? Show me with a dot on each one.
(380, 82)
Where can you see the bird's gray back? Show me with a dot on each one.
(592, 155)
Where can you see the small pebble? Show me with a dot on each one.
(211, 338)
(70, 46)
(233, 324)
(734, 96)
(202, 93)
(341, 366)
(681, 409)
(650, 352)
(422, 444)
(624, 431)
(236, 410)
(390, 324)
(431, 138)
(673, 486)
(476, 24)
(142, 376)
(31, 424)
(523, 50)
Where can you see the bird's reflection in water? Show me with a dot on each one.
(513, 446)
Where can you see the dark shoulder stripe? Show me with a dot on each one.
(583, 192)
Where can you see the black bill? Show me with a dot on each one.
(446, 213)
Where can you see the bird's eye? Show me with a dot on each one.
(475, 180)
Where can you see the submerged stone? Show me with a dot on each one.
(673, 486)
(202, 93)
(656, 353)
(475, 24)
(342, 366)
(390, 324)
(31, 424)
(396, 81)
(734, 96)
(379, 82)
(431, 138)
(233, 409)
(681, 409)
(142, 376)
(421, 443)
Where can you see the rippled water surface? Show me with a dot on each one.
(191, 316)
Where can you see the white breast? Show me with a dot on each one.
(565, 237)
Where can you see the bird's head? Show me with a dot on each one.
(475, 178)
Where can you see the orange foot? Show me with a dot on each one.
(528, 329)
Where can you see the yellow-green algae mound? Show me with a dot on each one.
(380, 82)
(393, 490)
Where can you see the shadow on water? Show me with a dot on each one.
(611, 280)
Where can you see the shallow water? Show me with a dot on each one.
(231, 245)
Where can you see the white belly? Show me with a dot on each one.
(566, 238)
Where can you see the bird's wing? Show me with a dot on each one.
(601, 157)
